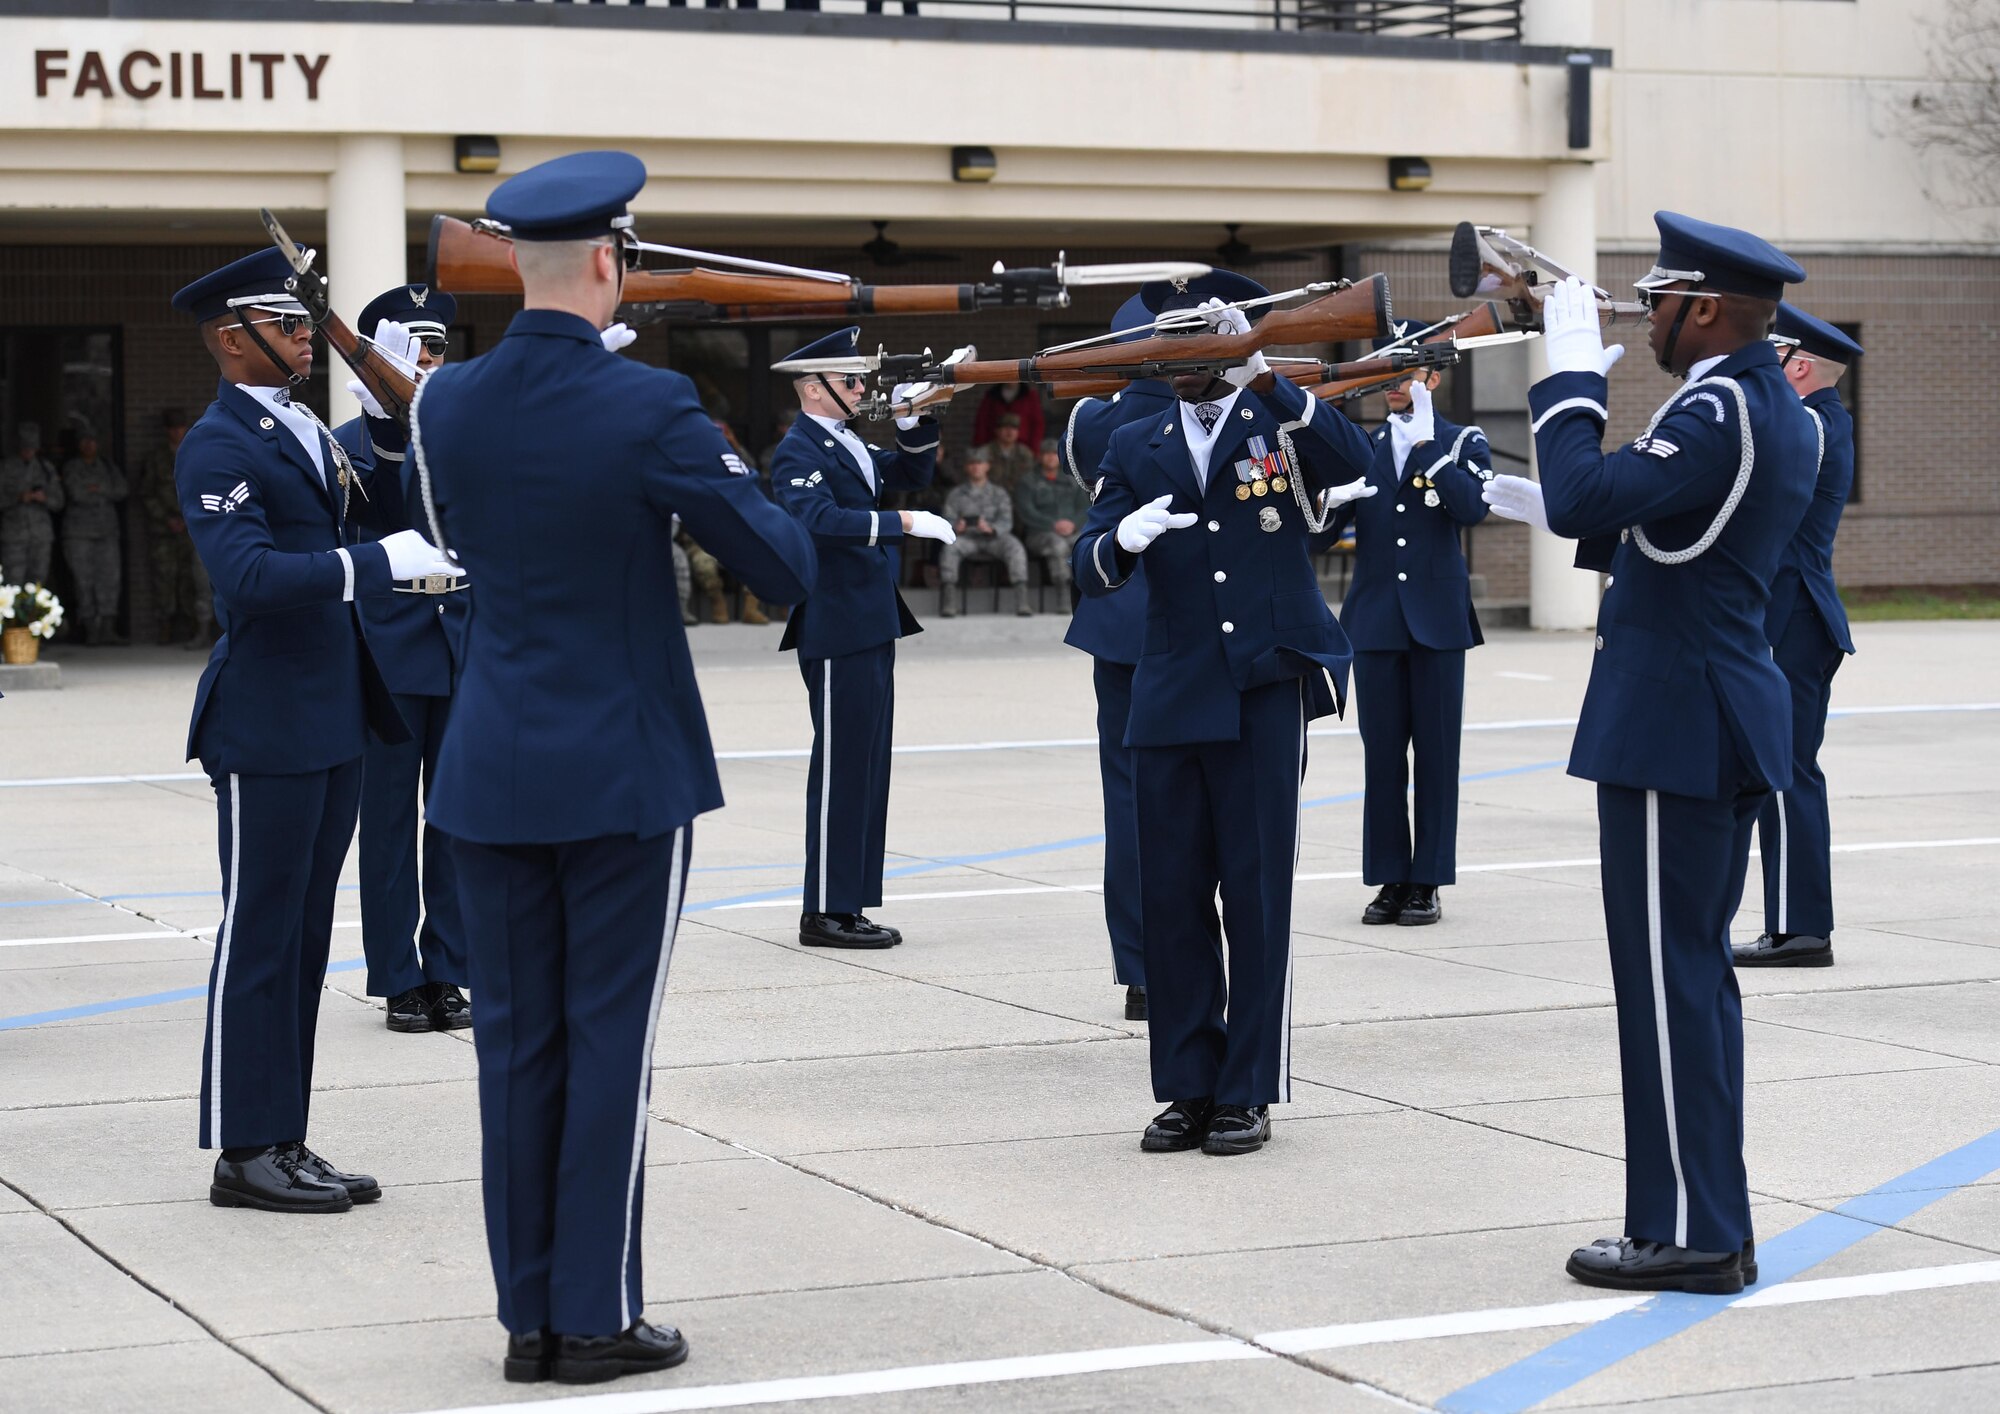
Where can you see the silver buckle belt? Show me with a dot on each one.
(432, 584)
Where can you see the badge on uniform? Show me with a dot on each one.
(226, 504)
(1268, 519)
(1261, 472)
(1431, 499)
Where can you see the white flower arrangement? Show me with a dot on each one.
(30, 606)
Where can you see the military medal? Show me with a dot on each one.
(1280, 485)
(1431, 499)
(1243, 493)
(1268, 518)
(1260, 487)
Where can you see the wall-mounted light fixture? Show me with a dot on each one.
(476, 154)
(1409, 174)
(973, 164)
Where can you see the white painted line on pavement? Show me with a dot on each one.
(158, 936)
(1110, 1359)
(1525, 677)
(1586, 861)
(800, 753)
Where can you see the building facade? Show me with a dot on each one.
(137, 142)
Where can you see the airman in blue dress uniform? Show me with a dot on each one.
(846, 632)
(284, 706)
(1409, 616)
(578, 754)
(1686, 725)
(1807, 626)
(1112, 630)
(415, 635)
(1239, 651)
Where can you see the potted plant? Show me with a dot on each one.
(29, 613)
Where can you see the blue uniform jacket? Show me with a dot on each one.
(1807, 564)
(1232, 605)
(556, 469)
(1111, 626)
(290, 686)
(417, 639)
(856, 604)
(1410, 584)
(1683, 694)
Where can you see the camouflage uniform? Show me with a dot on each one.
(1012, 465)
(27, 531)
(973, 503)
(1042, 501)
(90, 539)
(167, 544)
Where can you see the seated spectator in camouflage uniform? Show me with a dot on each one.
(1050, 508)
(92, 545)
(30, 494)
(176, 599)
(983, 516)
(1012, 460)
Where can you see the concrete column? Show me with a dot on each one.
(1559, 594)
(366, 249)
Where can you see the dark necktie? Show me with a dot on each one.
(1207, 413)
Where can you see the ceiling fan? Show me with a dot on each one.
(883, 251)
(1236, 251)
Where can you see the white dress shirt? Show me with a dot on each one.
(856, 448)
(1200, 441)
(1702, 369)
(279, 401)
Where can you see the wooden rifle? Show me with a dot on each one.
(1487, 261)
(473, 259)
(392, 386)
(1350, 311)
(1485, 323)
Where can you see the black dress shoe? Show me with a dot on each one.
(1626, 1265)
(1135, 1003)
(1388, 904)
(450, 1011)
(840, 930)
(864, 922)
(1420, 907)
(592, 1359)
(360, 1187)
(1179, 1126)
(529, 1357)
(411, 1010)
(1237, 1129)
(1749, 1262)
(1785, 950)
(276, 1180)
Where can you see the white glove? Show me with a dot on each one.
(926, 525)
(399, 344)
(1355, 490)
(368, 403)
(617, 336)
(1223, 318)
(1570, 331)
(1149, 523)
(902, 391)
(1420, 425)
(1517, 498)
(412, 557)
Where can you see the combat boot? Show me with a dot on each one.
(718, 607)
(948, 601)
(1022, 608)
(753, 612)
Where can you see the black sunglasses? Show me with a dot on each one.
(288, 324)
(434, 344)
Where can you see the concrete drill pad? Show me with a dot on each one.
(101, 1308)
(1924, 1393)
(1125, 1204)
(940, 1098)
(196, 1377)
(415, 1133)
(1949, 1019)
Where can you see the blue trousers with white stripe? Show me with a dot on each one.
(570, 946)
(1113, 682)
(1410, 700)
(1222, 817)
(1673, 869)
(853, 699)
(282, 841)
(1795, 833)
(392, 780)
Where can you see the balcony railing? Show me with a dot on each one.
(1459, 20)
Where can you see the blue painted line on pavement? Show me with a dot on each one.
(1575, 1358)
(179, 994)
